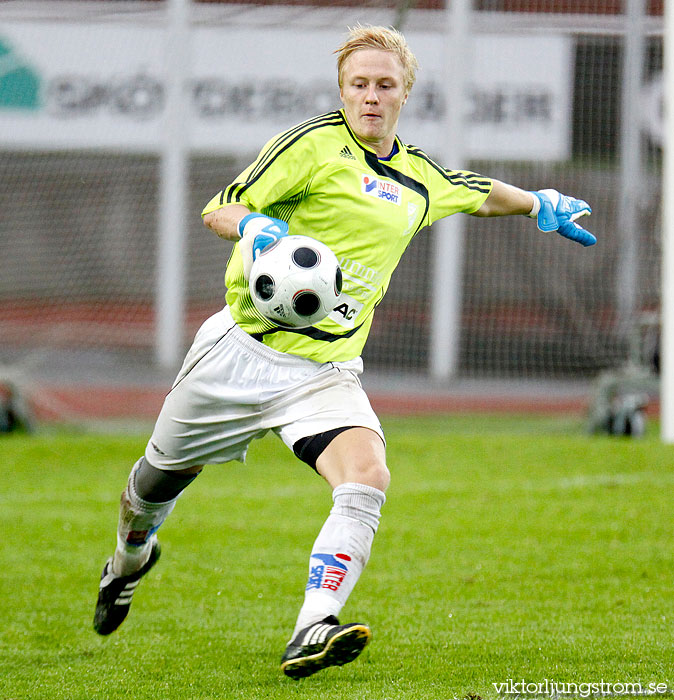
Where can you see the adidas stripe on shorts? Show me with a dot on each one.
(233, 389)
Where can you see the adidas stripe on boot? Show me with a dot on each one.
(116, 592)
(323, 644)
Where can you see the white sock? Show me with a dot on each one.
(138, 521)
(340, 552)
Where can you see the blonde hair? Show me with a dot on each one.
(384, 38)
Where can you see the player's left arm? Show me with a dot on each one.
(505, 200)
(552, 210)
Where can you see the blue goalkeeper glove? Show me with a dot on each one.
(257, 231)
(558, 212)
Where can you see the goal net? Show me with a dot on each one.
(559, 93)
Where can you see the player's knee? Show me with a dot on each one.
(371, 472)
(380, 478)
(356, 455)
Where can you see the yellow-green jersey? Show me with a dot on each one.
(326, 184)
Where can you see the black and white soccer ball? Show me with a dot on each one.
(295, 281)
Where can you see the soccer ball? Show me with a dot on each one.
(295, 281)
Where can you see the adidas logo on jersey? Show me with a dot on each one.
(346, 153)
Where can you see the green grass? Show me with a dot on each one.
(509, 548)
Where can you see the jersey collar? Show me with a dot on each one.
(397, 143)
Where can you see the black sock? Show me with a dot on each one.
(158, 485)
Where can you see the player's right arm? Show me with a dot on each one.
(274, 176)
(224, 221)
(253, 231)
(274, 183)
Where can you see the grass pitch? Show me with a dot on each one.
(509, 549)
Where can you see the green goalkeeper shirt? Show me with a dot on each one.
(326, 184)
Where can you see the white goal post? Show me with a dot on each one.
(173, 200)
(667, 307)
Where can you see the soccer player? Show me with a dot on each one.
(346, 179)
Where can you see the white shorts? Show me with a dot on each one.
(233, 389)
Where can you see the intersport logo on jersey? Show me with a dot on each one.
(381, 189)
